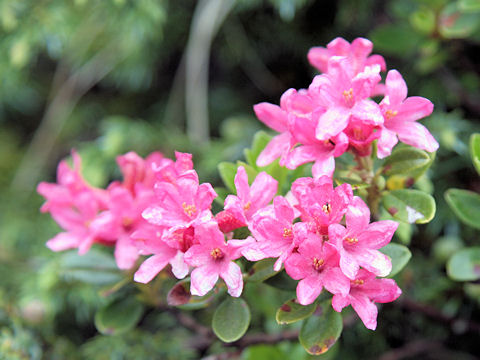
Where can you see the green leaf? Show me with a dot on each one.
(409, 162)
(95, 267)
(466, 205)
(410, 206)
(119, 316)
(399, 255)
(464, 265)
(227, 172)
(231, 319)
(262, 352)
(456, 23)
(282, 281)
(469, 5)
(395, 39)
(292, 311)
(475, 150)
(262, 270)
(321, 330)
(251, 172)
(260, 141)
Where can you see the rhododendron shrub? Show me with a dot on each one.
(328, 224)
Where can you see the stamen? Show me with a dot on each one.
(190, 210)
(216, 254)
(287, 232)
(389, 114)
(358, 282)
(351, 240)
(318, 263)
(327, 208)
(348, 96)
(247, 206)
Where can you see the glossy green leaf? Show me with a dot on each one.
(321, 330)
(410, 206)
(119, 316)
(282, 281)
(231, 319)
(262, 270)
(227, 172)
(466, 205)
(399, 255)
(260, 140)
(409, 162)
(456, 23)
(95, 267)
(464, 265)
(475, 151)
(292, 311)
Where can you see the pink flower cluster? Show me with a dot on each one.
(335, 114)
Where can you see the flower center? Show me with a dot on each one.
(358, 282)
(389, 114)
(216, 254)
(318, 263)
(327, 208)
(190, 210)
(351, 240)
(287, 232)
(247, 206)
(348, 96)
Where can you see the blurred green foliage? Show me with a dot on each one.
(107, 77)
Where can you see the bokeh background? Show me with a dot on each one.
(106, 77)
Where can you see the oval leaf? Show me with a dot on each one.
(227, 172)
(119, 316)
(399, 255)
(231, 319)
(95, 267)
(410, 206)
(475, 150)
(410, 162)
(292, 311)
(321, 330)
(262, 270)
(260, 141)
(464, 265)
(466, 205)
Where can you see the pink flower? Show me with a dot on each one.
(364, 291)
(180, 205)
(357, 52)
(250, 199)
(344, 94)
(319, 203)
(360, 137)
(400, 114)
(358, 244)
(167, 170)
(138, 170)
(316, 266)
(274, 231)
(212, 258)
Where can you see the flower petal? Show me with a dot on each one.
(308, 289)
(233, 278)
(203, 279)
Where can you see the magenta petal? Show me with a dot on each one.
(349, 265)
(386, 142)
(275, 148)
(126, 253)
(366, 310)
(415, 134)
(179, 267)
(368, 111)
(374, 261)
(241, 184)
(396, 88)
(197, 255)
(298, 266)
(382, 290)
(332, 122)
(325, 166)
(64, 241)
(378, 234)
(263, 189)
(272, 116)
(233, 278)
(203, 279)
(205, 196)
(150, 268)
(318, 58)
(308, 289)
(414, 108)
(339, 302)
(236, 247)
(335, 281)
(357, 215)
